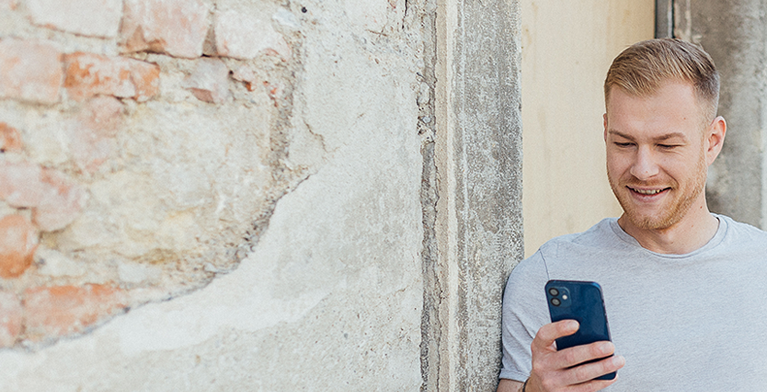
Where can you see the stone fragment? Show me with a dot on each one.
(247, 75)
(62, 202)
(18, 240)
(29, 71)
(21, 184)
(53, 263)
(90, 74)
(91, 134)
(175, 27)
(10, 138)
(245, 36)
(209, 81)
(10, 318)
(97, 18)
(62, 310)
(55, 199)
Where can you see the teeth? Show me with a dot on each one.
(648, 192)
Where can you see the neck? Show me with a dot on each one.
(692, 232)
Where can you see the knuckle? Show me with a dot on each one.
(601, 349)
(606, 366)
(581, 373)
(548, 385)
(570, 356)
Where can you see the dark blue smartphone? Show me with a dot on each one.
(583, 302)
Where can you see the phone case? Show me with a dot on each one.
(583, 302)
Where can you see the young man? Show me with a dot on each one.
(684, 288)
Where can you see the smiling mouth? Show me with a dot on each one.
(647, 192)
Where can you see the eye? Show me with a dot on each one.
(624, 144)
(668, 146)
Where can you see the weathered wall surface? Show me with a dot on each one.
(260, 157)
(478, 181)
(566, 50)
(256, 195)
(734, 34)
(135, 169)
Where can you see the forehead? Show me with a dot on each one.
(671, 108)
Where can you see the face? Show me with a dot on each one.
(658, 153)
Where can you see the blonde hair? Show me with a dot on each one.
(642, 68)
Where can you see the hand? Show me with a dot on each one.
(556, 371)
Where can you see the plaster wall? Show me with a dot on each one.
(292, 170)
(567, 48)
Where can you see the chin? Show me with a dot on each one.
(652, 222)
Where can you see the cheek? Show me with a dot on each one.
(617, 164)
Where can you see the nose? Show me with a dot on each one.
(644, 166)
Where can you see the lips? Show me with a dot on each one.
(647, 191)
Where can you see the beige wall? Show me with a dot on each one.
(567, 47)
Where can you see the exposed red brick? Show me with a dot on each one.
(98, 18)
(55, 199)
(18, 241)
(29, 71)
(62, 202)
(90, 74)
(62, 310)
(21, 184)
(245, 36)
(10, 138)
(10, 318)
(91, 136)
(209, 81)
(175, 27)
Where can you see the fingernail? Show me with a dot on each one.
(572, 324)
(606, 348)
(618, 361)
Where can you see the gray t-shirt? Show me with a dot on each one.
(691, 322)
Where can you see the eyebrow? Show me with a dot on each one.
(659, 138)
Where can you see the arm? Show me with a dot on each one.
(556, 370)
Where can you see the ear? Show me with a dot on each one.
(715, 139)
(604, 119)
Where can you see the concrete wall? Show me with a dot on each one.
(734, 33)
(256, 195)
(566, 50)
(478, 221)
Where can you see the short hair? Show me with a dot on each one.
(642, 68)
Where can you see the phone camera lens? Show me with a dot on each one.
(555, 302)
(554, 292)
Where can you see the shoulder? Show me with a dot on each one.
(739, 231)
(569, 248)
(598, 238)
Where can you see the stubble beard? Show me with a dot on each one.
(670, 214)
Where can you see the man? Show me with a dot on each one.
(685, 290)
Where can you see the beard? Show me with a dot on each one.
(673, 210)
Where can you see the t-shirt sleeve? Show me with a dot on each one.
(524, 312)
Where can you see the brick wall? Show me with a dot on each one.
(142, 149)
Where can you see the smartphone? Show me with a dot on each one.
(583, 302)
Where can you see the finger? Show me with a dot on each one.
(572, 356)
(589, 371)
(592, 386)
(548, 333)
